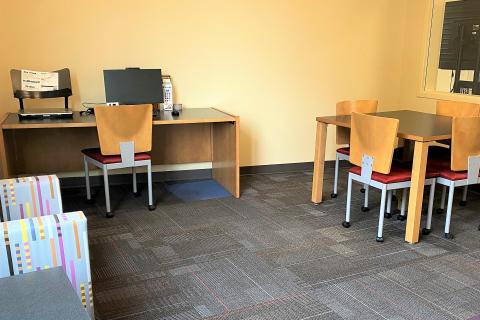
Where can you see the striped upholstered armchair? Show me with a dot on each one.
(35, 234)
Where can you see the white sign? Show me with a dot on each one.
(39, 81)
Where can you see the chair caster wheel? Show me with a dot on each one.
(151, 207)
(379, 239)
(365, 209)
(439, 211)
(401, 218)
(137, 194)
(362, 190)
(426, 231)
(346, 224)
(463, 203)
(109, 215)
(90, 201)
(388, 215)
(449, 236)
(333, 195)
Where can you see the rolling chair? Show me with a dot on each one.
(125, 135)
(372, 144)
(462, 169)
(451, 109)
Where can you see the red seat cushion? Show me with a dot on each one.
(95, 154)
(345, 151)
(397, 174)
(443, 167)
(453, 175)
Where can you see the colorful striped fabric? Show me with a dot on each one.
(29, 197)
(39, 243)
(36, 235)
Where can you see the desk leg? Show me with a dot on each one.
(319, 162)
(416, 192)
(3, 156)
(226, 155)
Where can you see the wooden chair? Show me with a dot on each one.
(452, 109)
(125, 135)
(372, 144)
(463, 168)
(457, 109)
(343, 137)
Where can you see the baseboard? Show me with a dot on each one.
(285, 167)
(119, 179)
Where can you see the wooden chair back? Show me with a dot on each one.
(373, 136)
(122, 124)
(465, 141)
(457, 109)
(346, 108)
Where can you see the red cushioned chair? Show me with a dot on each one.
(343, 137)
(125, 135)
(372, 143)
(442, 152)
(464, 167)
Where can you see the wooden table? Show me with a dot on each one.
(42, 295)
(52, 146)
(419, 128)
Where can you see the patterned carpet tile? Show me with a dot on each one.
(272, 254)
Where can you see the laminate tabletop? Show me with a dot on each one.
(414, 125)
(42, 295)
(186, 116)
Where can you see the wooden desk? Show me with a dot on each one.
(418, 127)
(196, 135)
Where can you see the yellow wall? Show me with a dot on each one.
(416, 15)
(275, 63)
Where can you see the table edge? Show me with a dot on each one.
(227, 118)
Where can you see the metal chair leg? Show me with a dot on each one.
(431, 198)
(381, 217)
(335, 179)
(134, 176)
(346, 223)
(364, 189)
(107, 192)
(151, 206)
(463, 203)
(87, 179)
(448, 219)
(365, 207)
(441, 210)
(388, 213)
(403, 206)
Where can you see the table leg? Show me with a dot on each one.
(319, 162)
(416, 191)
(3, 156)
(226, 155)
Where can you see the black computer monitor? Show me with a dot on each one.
(133, 86)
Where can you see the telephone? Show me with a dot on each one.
(167, 93)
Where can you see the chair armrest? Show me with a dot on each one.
(29, 197)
